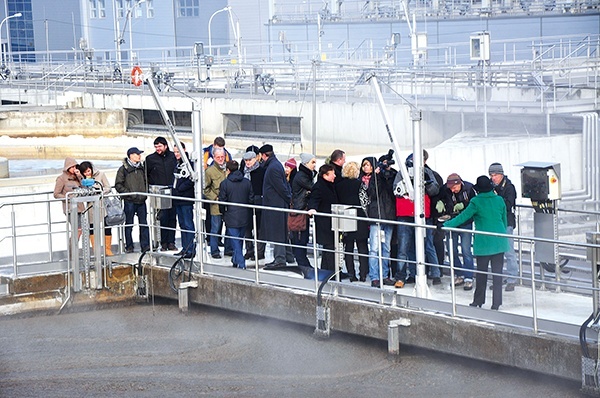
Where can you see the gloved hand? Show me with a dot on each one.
(458, 207)
(439, 206)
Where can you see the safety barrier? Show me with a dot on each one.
(22, 239)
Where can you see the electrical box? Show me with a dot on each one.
(480, 46)
(160, 202)
(343, 224)
(540, 181)
(199, 49)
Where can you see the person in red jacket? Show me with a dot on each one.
(405, 212)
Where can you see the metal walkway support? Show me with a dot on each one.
(394, 335)
(182, 295)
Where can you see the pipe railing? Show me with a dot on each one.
(533, 280)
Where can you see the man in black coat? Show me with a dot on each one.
(321, 198)
(277, 194)
(506, 189)
(160, 168)
(236, 189)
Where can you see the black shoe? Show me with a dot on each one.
(510, 287)
(363, 278)
(389, 282)
(290, 261)
(220, 243)
(228, 254)
(495, 307)
(129, 250)
(164, 247)
(437, 281)
(375, 283)
(410, 280)
(475, 305)
(353, 279)
(171, 246)
(248, 256)
(216, 256)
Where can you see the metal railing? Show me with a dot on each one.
(13, 229)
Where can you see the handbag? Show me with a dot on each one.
(115, 215)
(297, 222)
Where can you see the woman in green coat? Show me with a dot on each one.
(488, 211)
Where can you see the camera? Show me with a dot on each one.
(386, 160)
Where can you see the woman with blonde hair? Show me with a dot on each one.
(347, 190)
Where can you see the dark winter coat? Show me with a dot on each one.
(441, 195)
(322, 196)
(464, 196)
(380, 193)
(301, 187)
(347, 193)
(160, 169)
(131, 179)
(183, 187)
(257, 178)
(235, 189)
(276, 193)
(508, 192)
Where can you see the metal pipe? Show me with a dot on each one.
(14, 239)
(533, 292)
(452, 287)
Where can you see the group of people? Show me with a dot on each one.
(373, 187)
(133, 179)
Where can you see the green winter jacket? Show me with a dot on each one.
(488, 211)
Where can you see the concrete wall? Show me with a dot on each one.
(53, 123)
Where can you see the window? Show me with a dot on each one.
(149, 8)
(137, 13)
(97, 9)
(189, 8)
(22, 44)
(120, 9)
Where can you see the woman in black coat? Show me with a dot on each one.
(347, 190)
(301, 188)
(321, 198)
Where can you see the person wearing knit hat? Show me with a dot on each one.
(453, 179)
(301, 189)
(505, 188)
(495, 168)
(291, 163)
(488, 212)
(306, 157)
(458, 196)
(290, 170)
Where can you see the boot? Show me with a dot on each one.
(107, 244)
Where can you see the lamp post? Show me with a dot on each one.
(210, 22)
(17, 15)
(120, 39)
